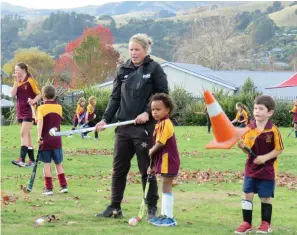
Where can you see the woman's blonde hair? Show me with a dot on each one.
(82, 99)
(145, 41)
(91, 98)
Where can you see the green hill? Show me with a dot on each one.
(286, 17)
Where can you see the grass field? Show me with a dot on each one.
(207, 202)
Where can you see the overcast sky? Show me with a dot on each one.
(56, 4)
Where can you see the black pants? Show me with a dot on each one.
(208, 123)
(91, 123)
(129, 140)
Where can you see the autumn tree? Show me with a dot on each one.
(90, 59)
(211, 42)
(40, 64)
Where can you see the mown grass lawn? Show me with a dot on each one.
(202, 205)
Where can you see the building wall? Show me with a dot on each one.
(191, 83)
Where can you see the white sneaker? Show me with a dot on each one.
(64, 190)
(47, 192)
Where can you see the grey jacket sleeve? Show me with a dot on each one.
(160, 83)
(114, 101)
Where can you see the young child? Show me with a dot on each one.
(49, 116)
(242, 115)
(165, 155)
(264, 139)
(79, 117)
(294, 111)
(90, 117)
(208, 123)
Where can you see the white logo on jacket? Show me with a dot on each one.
(146, 76)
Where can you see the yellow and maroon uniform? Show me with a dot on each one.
(294, 111)
(51, 114)
(91, 112)
(26, 89)
(262, 143)
(167, 159)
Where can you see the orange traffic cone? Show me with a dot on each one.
(226, 135)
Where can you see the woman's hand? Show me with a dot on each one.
(100, 126)
(142, 118)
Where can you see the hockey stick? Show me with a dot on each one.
(54, 132)
(32, 179)
(143, 205)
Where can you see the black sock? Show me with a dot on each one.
(296, 134)
(31, 154)
(247, 215)
(266, 212)
(247, 211)
(24, 151)
(96, 134)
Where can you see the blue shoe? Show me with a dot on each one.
(167, 222)
(155, 219)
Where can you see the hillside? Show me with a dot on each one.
(286, 17)
(113, 8)
(231, 9)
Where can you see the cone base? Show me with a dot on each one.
(229, 143)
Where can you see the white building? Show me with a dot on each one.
(194, 78)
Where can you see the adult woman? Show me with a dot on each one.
(27, 93)
(136, 80)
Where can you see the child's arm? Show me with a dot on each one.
(39, 131)
(87, 117)
(264, 158)
(157, 147)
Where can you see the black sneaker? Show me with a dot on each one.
(110, 212)
(151, 213)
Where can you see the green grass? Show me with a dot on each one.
(205, 208)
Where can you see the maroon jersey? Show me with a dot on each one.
(167, 159)
(26, 89)
(91, 112)
(51, 114)
(262, 143)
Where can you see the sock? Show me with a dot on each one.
(24, 151)
(296, 134)
(266, 212)
(62, 180)
(163, 204)
(48, 182)
(247, 211)
(167, 200)
(31, 154)
(96, 134)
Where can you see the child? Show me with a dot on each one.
(80, 113)
(49, 116)
(242, 115)
(26, 90)
(265, 141)
(294, 111)
(90, 117)
(165, 155)
(208, 123)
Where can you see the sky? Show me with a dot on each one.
(59, 4)
(56, 4)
